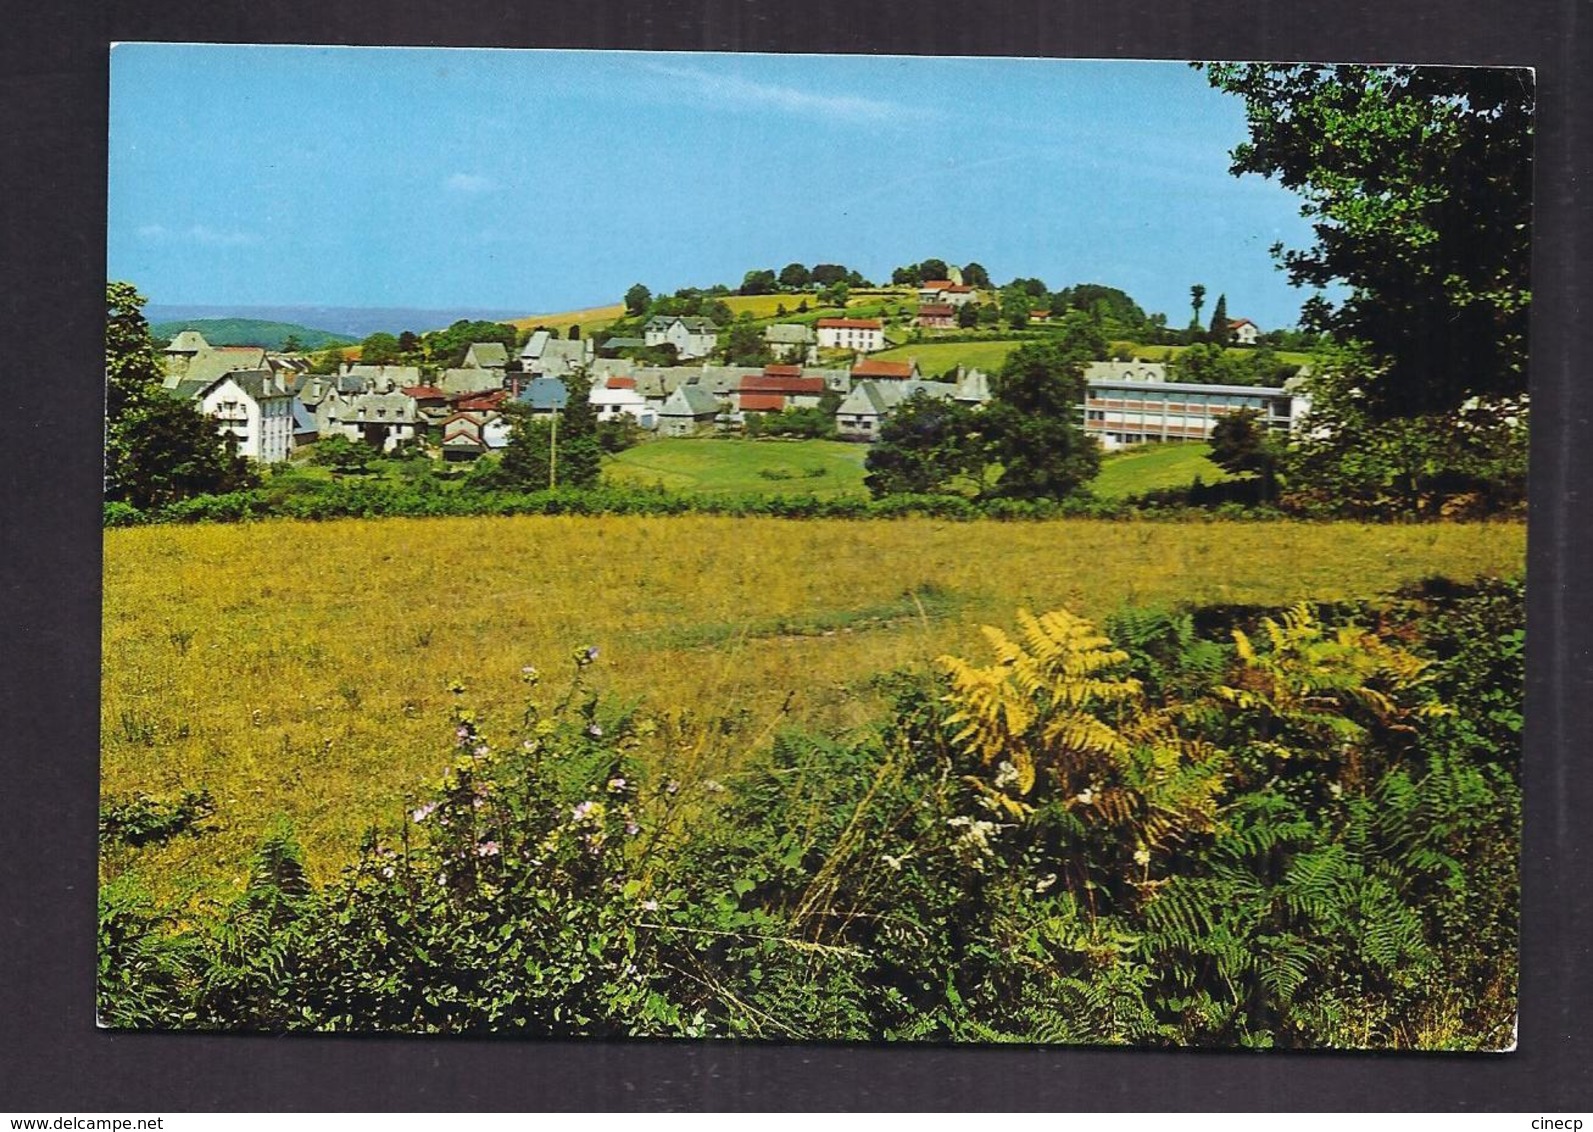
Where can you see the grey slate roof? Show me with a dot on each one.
(878, 398)
(545, 394)
(557, 357)
(187, 390)
(303, 419)
(487, 355)
(623, 343)
(691, 322)
(261, 384)
(724, 380)
(188, 342)
(379, 408)
(691, 401)
(466, 380)
(211, 364)
(400, 375)
(656, 382)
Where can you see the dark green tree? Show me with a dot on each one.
(637, 299)
(409, 343)
(907, 276)
(291, 344)
(447, 348)
(1241, 444)
(1219, 334)
(744, 345)
(824, 274)
(1197, 299)
(932, 269)
(923, 447)
(760, 282)
(579, 453)
(1032, 423)
(342, 455)
(158, 449)
(526, 462)
(1201, 364)
(975, 275)
(1418, 183)
(378, 349)
(794, 277)
(968, 316)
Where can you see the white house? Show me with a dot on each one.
(1244, 331)
(864, 335)
(692, 337)
(252, 407)
(618, 397)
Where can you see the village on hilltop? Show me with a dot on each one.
(271, 403)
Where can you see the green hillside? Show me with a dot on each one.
(250, 332)
(1153, 467)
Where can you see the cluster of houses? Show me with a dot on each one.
(270, 403)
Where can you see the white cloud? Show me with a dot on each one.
(739, 91)
(470, 183)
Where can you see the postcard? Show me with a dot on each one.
(814, 548)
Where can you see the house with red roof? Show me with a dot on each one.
(1243, 331)
(776, 389)
(862, 335)
(937, 316)
(945, 292)
(871, 369)
(616, 397)
(472, 433)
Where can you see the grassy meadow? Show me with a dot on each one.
(1154, 466)
(303, 669)
(988, 354)
(691, 466)
(834, 468)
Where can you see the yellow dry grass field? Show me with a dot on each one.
(302, 669)
(590, 319)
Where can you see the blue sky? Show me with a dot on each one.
(543, 181)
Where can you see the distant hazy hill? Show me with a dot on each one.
(250, 332)
(354, 322)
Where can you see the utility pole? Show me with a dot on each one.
(553, 452)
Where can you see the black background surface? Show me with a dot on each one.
(53, 89)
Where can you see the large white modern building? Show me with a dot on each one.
(1123, 411)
